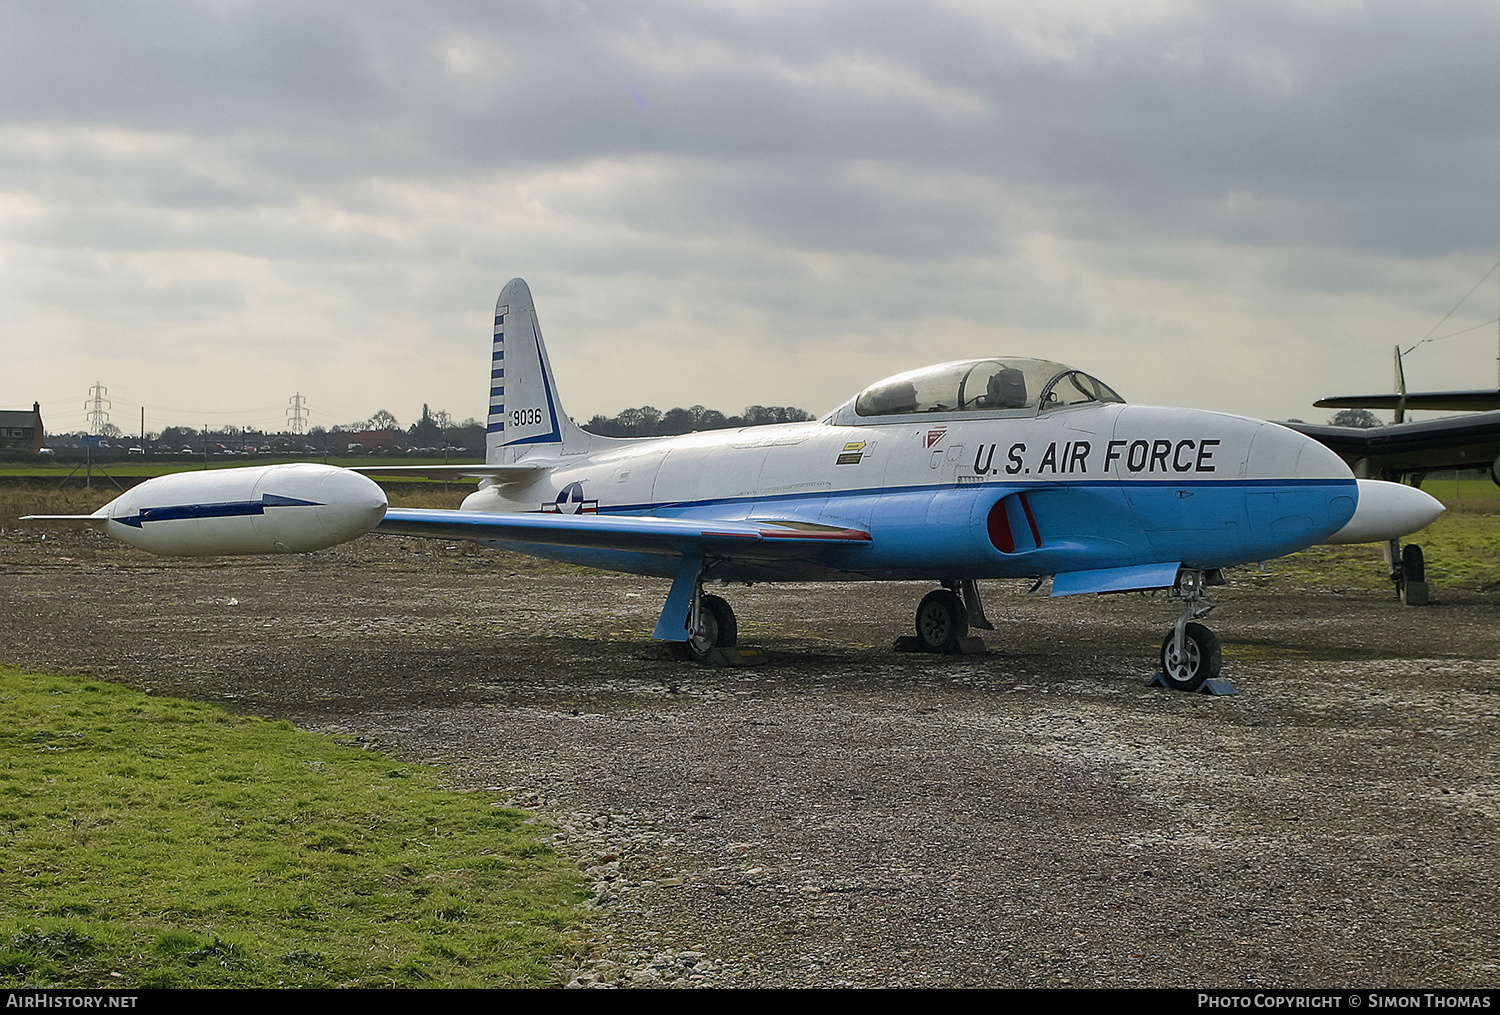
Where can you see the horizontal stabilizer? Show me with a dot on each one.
(1117, 579)
(675, 536)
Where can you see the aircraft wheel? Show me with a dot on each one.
(702, 638)
(1411, 583)
(1413, 565)
(729, 630)
(941, 621)
(716, 629)
(1200, 660)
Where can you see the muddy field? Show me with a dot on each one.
(848, 815)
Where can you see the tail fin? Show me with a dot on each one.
(525, 412)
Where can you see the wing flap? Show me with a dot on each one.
(676, 536)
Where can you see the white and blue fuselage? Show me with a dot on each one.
(947, 495)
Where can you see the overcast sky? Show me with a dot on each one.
(1243, 206)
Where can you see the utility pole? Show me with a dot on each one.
(297, 411)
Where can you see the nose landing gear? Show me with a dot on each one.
(1191, 655)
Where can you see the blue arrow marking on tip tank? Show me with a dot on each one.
(229, 509)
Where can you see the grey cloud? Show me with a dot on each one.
(1317, 117)
(863, 162)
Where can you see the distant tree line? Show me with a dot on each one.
(649, 421)
(436, 430)
(1362, 418)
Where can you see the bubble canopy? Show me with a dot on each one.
(1012, 386)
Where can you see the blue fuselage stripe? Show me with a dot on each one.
(1002, 489)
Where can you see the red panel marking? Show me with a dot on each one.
(840, 534)
(1030, 520)
(999, 526)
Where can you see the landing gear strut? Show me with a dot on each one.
(1190, 654)
(707, 621)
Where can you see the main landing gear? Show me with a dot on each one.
(1408, 569)
(941, 621)
(944, 618)
(1190, 655)
(711, 625)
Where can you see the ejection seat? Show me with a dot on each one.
(1006, 389)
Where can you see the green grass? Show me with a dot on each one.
(154, 842)
(1465, 494)
(1462, 548)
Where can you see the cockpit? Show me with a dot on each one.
(1014, 387)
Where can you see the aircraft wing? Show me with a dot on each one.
(1459, 442)
(501, 473)
(749, 540)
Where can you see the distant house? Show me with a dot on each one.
(22, 431)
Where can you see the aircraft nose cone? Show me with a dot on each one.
(1388, 511)
(1300, 492)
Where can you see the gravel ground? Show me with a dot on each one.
(846, 815)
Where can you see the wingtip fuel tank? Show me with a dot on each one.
(1388, 511)
(271, 509)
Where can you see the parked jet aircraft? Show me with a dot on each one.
(978, 469)
(1406, 452)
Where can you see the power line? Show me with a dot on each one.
(1428, 337)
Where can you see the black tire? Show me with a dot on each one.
(729, 630)
(1413, 565)
(941, 621)
(1202, 659)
